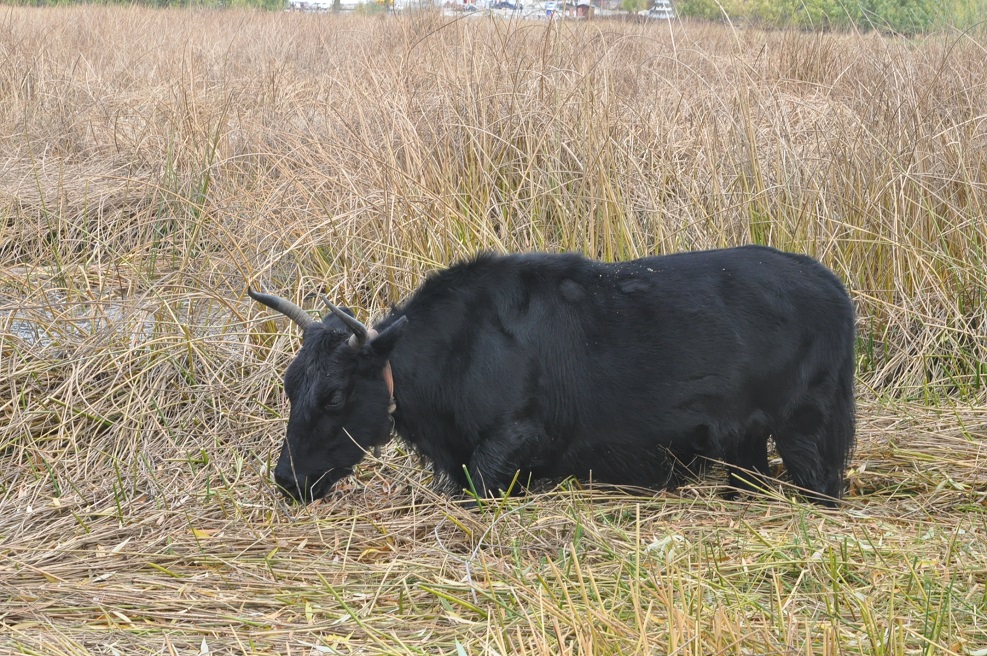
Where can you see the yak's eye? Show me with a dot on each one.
(335, 399)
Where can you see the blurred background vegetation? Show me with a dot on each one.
(902, 16)
(889, 16)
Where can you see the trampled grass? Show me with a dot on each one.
(152, 163)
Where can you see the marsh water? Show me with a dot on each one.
(56, 319)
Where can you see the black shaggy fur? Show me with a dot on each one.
(556, 365)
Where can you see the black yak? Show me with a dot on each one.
(517, 367)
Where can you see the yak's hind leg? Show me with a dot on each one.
(747, 463)
(815, 445)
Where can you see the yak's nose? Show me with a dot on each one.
(291, 488)
(306, 488)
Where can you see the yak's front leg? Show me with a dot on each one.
(507, 454)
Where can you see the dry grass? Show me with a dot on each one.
(154, 162)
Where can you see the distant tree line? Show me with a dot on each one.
(900, 16)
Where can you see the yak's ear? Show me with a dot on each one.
(383, 343)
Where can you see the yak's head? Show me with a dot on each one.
(340, 397)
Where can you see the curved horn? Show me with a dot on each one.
(284, 306)
(360, 332)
